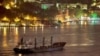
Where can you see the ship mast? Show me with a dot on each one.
(35, 44)
(51, 40)
(21, 41)
(43, 41)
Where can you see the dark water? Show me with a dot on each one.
(81, 40)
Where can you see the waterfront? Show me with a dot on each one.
(81, 39)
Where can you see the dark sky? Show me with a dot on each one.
(79, 1)
(1, 1)
(2, 9)
(69, 1)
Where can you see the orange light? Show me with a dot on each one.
(4, 37)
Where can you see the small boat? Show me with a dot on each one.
(22, 48)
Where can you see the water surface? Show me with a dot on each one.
(81, 40)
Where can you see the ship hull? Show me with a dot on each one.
(37, 50)
(54, 47)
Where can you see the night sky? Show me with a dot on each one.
(1, 1)
(68, 1)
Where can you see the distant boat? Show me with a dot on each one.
(22, 48)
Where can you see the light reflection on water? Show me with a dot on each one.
(16, 34)
(73, 35)
(4, 37)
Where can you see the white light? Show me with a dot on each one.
(7, 6)
(98, 6)
(15, 1)
(29, 0)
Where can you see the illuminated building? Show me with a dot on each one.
(29, 0)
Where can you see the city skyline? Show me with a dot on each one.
(62, 1)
